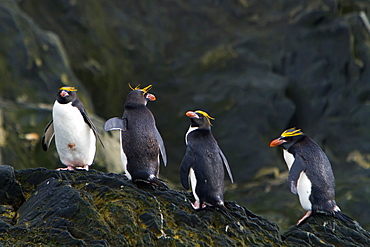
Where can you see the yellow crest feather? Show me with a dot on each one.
(71, 89)
(292, 132)
(145, 89)
(205, 114)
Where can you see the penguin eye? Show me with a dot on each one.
(288, 139)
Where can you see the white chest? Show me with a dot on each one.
(187, 133)
(289, 158)
(74, 139)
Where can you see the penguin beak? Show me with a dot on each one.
(64, 94)
(150, 97)
(192, 114)
(277, 142)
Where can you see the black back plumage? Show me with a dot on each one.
(206, 159)
(140, 139)
(311, 160)
(141, 142)
(207, 166)
(318, 171)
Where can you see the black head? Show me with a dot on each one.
(200, 119)
(288, 138)
(66, 95)
(139, 97)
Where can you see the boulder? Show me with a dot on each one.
(11, 192)
(91, 208)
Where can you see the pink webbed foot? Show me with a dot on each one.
(308, 214)
(85, 167)
(196, 205)
(69, 168)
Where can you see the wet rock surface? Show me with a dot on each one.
(322, 230)
(91, 208)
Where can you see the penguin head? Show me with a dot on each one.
(139, 96)
(288, 138)
(66, 95)
(200, 119)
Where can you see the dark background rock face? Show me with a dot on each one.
(258, 67)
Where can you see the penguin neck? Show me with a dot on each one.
(135, 100)
(64, 100)
(130, 105)
(192, 128)
(288, 157)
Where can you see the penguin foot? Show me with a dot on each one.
(72, 168)
(85, 167)
(308, 214)
(196, 205)
(68, 168)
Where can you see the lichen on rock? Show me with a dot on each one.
(91, 208)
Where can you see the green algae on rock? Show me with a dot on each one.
(91, 208)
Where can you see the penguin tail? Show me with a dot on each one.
(344, 218)
(152, 181)
(158, 182)
(225, 211)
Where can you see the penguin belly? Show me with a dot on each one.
(207, 183)
(193, 182)
(304, 187)
(303, 184)
(74, 139)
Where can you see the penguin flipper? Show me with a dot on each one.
(227, 166)
(47, 136)
(78, 103)
(116, 124)
(91, 125)
(161, 146)
(186, 164)
(298, 166)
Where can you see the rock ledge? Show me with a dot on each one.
(96, 209)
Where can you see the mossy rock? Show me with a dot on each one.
(91, 208)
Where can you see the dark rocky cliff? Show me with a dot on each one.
(91, 208)
(257, 66)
